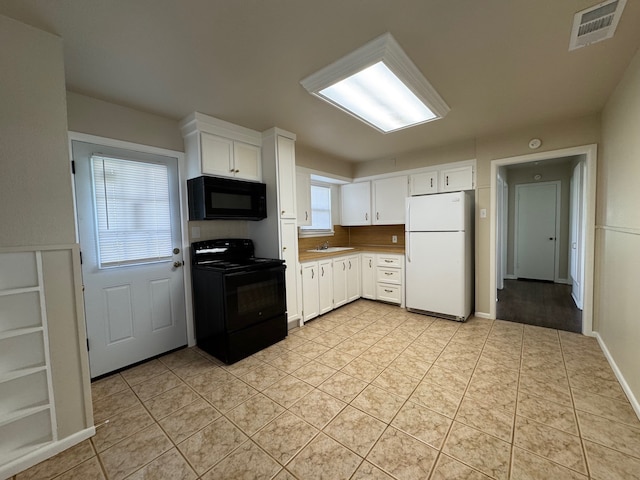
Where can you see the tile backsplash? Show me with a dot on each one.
(379, 235)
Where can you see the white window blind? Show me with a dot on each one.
(133, 215)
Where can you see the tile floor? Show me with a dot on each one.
(368, 391)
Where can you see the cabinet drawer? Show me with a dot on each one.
(388, 293)
(389, 261)
(389, 275)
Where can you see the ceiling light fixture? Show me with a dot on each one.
(380, 85)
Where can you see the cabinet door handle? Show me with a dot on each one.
(312, 274)
(369, 263)
(322, 271)
(387, 290)
(366, 216)
(284, 248)
(388, 261)
(349, 264)
(447, 178)
(431, 179)
(388, 273)
(306, 215)
(237, 171)
(377, 215)
(344, 266)
(282, 212)
(232, 170)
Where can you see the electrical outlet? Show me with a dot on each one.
(394, 239)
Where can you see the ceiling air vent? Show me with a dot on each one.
(595, 23)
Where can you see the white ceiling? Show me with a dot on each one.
(499, 64)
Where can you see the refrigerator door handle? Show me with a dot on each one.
(408, 241)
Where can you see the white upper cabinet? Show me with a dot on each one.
(216, 147)
(247, 163)
(423, 183)
(227, 158)
(355, 204)
(389, 197)
(303, 198)
(456, 179)
(286, 176)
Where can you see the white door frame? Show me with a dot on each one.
(589, 219)
(556, 247)
(184, 213)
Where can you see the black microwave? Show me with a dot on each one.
(215, 198)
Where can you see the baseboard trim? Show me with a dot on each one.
(510, 277)
(41, 454)
(482, 315)
(625, 386)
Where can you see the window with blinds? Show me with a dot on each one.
(320, 212)
(133, 217)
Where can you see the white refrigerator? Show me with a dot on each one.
(439, 254)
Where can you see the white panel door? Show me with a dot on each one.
(217, 155)
(310, 296)
(131, 256)
(287, 177)
(435, 272)
(390, 196)
(355, 204)
(536, 220)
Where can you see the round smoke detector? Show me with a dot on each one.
(535, 143)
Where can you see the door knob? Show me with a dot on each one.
(177, 264)
(176, 251)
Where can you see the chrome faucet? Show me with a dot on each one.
(324, 246)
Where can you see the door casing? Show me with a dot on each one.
(589, 221)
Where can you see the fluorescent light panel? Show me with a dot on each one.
(379, 85)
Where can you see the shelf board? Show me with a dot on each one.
(23, 372)
(22, 413)
(16, 291)
(19, 331)
(21, 451)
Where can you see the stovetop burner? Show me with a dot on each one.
(229, 254)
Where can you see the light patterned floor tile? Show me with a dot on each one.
(285, 436)
(403, 456)
(324, 459)
(356, 430)
(249, 462)
(422, 423)
(168, 466)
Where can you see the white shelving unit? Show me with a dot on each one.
(27, 415)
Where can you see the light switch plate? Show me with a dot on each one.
(483, 213)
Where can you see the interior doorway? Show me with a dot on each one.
(561, 296)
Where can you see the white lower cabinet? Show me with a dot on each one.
(289, 233)
(333, 282)
(310, 294)
(325, 285)
(354, 290)
(369, 276)
(328, 284)
(339, 281)
(390, 278)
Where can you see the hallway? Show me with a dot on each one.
(543, 304)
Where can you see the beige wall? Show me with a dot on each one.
(104, 119)
(37, 202)
(464, 150)
(35, 180)
(618, 221)
(306, 157)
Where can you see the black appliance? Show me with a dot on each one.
(216, 198)
(239, 300)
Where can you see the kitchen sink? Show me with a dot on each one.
(330, 249)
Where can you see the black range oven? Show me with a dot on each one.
(239, 300)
